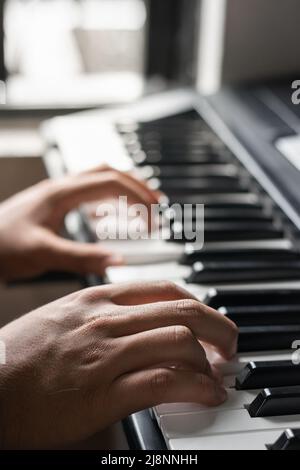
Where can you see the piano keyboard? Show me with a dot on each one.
(249, 270)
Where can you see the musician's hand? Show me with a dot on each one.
(30, 224)
(81, 363)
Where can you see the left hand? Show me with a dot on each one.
(31, 222)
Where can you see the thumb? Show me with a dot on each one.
(81, 258)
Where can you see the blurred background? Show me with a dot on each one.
(78, 53)
(75, 54)
(60, 56)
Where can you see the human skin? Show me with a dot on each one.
(78, 365)
(31, 223)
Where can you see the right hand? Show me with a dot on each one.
(90, 359)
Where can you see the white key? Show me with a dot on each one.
(243, 441)
(155, 272)
(236, 401)
(234, 367)
(143, 252)
(221, 422)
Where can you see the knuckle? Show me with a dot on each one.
(56, 188)
(188, 306)
(160, 383)
(92, 295)
(46, 185)
(89, 295)
(181, 335)
(167, 286)
(114, 177)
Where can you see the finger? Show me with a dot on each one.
(98, 169)
(73, 191)
(206, 324)
(146, 389)
(142, 185)
(81, 258)
(146, 196)
(175, 346)
(147, 292)
(139, 293)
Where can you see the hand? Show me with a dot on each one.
(30, 224)
(84, 362)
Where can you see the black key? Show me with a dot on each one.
(224, 232)
(173, 125)
(180, 159)
(258, 375)
(170, 133)
(230, 217)
(194, 171)
(263, 315)
(193, 256)
(289, 440)
(171, 148)
(222, 298)
(267, 338)
(227, 225)
(192, 120)
(249, 265)
(196, 139)
(219, 201)
(202, 186)
(209, 275)
(245, 215)
(273, 402)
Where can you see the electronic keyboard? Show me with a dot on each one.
(234, 153)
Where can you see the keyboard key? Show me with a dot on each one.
(228, 273)
(199, 186)
(268, 338)
(223, 232)
(221, 298)
(193, 171)
(283, 401)
(227, 212)
(180, 159)
(216, 423)
(258, 375)
(263, 315)
(219, 201)
(256, 255)
(236, 401)
(226, 442)
(289, 440)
